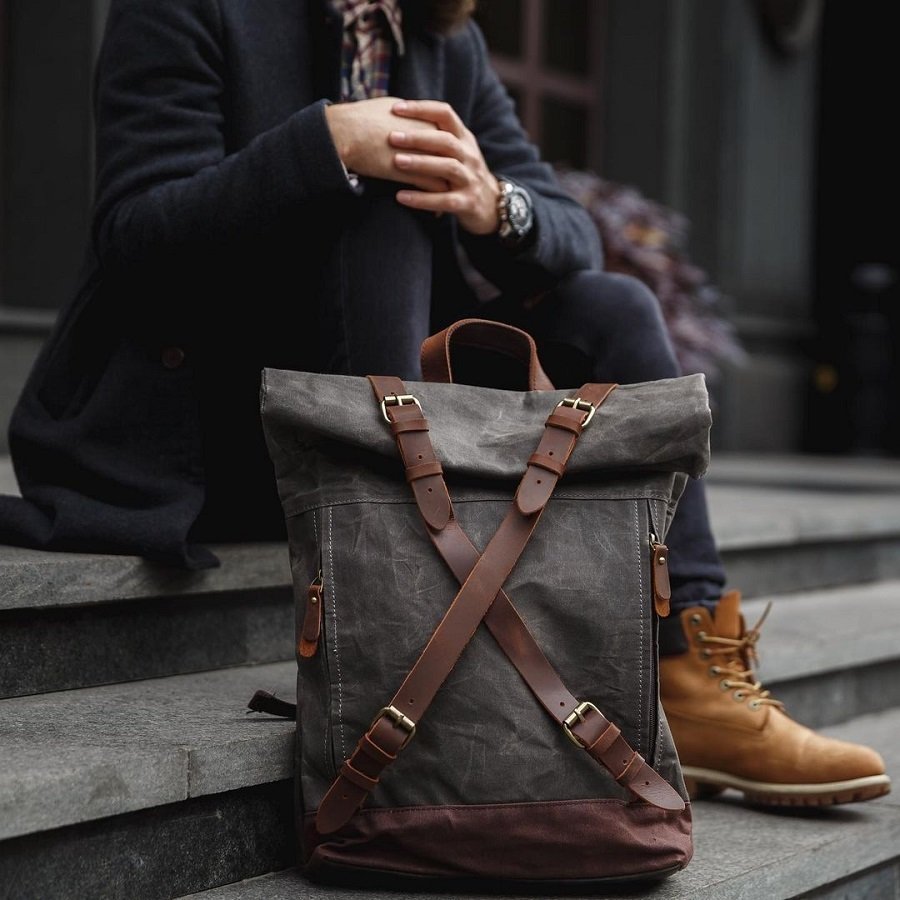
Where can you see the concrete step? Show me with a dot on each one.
(61, 613)
(740, 853)
(777, 540)
(76, 756)
(832, 654)
(795, 470)
(144, 790)
(193, 727)
(69, 620)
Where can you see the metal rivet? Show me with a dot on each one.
(696, 619)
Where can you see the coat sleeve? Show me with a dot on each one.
(564, 238)
(164, 179)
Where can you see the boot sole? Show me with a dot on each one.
(702, 783)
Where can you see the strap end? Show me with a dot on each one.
(648, 786)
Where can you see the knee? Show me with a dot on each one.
(619, 302)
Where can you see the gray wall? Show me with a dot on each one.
(705, 116)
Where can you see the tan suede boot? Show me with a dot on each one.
(730, 733)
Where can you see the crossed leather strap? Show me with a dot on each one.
(481, 598)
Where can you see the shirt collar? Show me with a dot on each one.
(350, 10)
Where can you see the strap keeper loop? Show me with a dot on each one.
(634, 764)
(355, 777)
(547, 463)
(565, 423)
(369, 748)
(607, 738)
(401, 426)
(423, 470)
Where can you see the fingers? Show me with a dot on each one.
(424, 182)
(440, 167)
(435, 143)
(446, 202)
(441, 114)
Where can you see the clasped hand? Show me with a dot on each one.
(422, 143)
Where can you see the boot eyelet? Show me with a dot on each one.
(705, 654)
(714, 671)
(739, 696)
(754, 705)
(696, 619)
(724, 685)
(701, 635)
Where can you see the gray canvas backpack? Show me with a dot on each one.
(495, 557)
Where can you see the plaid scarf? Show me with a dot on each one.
(371, 30)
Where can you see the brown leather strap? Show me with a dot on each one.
(395, 724)
(264, 702)
(519, 645)
(487, 335)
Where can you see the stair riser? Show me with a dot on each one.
(72, 647)
(879, 883)
(783, 569)
(835, 697)
(163, 852)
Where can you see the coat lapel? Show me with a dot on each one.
(419, 73)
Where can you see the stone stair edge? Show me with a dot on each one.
(192, 737)
(89, 753)
(34, 579)
(813, 632)
(768, 520)
(831, 473)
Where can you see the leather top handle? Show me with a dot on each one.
(482, 334)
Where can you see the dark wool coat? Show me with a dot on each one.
(217, 248)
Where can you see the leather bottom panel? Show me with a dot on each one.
(372, 880)
(575, 842)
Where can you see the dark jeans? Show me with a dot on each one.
(594, 326)
(597, 326)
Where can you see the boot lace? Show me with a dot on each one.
(738, 655)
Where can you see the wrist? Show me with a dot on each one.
(335, 118)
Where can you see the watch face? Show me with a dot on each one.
(519, 211)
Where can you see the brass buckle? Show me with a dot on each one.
(577, 715)
(578, 403)
(397, 400)
(399, 719)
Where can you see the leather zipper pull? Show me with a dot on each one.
(659, 576)
(312, 620)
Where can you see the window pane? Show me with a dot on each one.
(501, 21)
(564, 132)
(566, 36)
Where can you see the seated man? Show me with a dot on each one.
(243, 220)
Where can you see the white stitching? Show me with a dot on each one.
(637, 531)
(321, 562)
(337, 656)
(557, 495)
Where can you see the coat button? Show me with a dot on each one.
(172, 357)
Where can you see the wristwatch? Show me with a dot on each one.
(516, 213)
